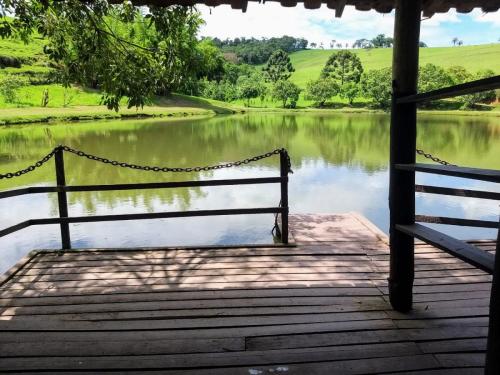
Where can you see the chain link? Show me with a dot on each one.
(32, 167)
(146, 167)
(433, 158)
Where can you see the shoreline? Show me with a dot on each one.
(38, 115)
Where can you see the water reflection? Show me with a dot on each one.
(340, 164)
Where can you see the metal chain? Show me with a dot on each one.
(146, 167)
(433, 158)
(32, 167)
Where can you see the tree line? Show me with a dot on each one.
(257, 51)
(342, 76)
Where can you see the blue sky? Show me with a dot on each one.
(320, 25)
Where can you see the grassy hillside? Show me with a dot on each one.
(308, 64)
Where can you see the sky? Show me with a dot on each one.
(321, 26)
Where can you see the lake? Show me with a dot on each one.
(340, 164)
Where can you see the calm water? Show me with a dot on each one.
(339, 162)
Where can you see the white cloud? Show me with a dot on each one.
(320, 25)
(493, 17)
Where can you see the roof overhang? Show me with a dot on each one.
(429, 7)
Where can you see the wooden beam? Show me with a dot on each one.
(457, 192)
(456, 221)
(491, 175)
(493, 347)
(402, 151)
(484, 84)
(460, 249)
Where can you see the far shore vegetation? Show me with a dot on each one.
(138, 65)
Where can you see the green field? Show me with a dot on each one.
(308, 64)
(78, 102)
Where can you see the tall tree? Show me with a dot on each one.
(278, 67)
(342, 67)
(111, 46)
(454, 41)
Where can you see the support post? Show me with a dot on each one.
(402, 151)
(62, 199)
(284, 196)
(493, 347)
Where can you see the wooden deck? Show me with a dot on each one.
(318, 308)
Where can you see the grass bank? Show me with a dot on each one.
(175, 106)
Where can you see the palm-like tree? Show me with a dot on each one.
(454, 41)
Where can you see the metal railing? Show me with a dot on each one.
(62, 189)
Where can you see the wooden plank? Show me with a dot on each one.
(490, 175)
(456, 221)
(107, 348)
(207, 292)
(453, 346)
(457, 323)
(461, 359)
(272, 342)
(24, 331)
(164, 301)
(345, 367)
(222, 268)
(457, 192)
(164, 309)
(213, 275)
(204, 360)
(484, 84)
(460, 249)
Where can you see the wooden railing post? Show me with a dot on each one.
(493, 348)
(402, 151)
(61, 198)
(284, 196)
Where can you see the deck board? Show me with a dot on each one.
(315, 308)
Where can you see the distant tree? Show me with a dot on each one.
(250, 87)
(361, 43)
(339, 45)
(321, 90)
(342, 67)
(313, 45)
(321, 45)
(460, 42)
(382, 41)
(422, 44)
(433, 77)
(9, 87)
(470, 101)
(278, 67)
(458, 74)
(376, 85)
(454, 41)
(211, 60)
(286, 91)
(349, 91)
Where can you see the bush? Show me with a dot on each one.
(223, 90)
(286, 91)
(432, 77)
(250, 87)
(349, 91)
(321, 90)
(9, 86)
(376, 85)
(470, 101)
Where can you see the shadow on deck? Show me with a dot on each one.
(318, 308)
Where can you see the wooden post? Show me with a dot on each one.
(493, 349)
(402, 150)
(62, 199)
(284, 196)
